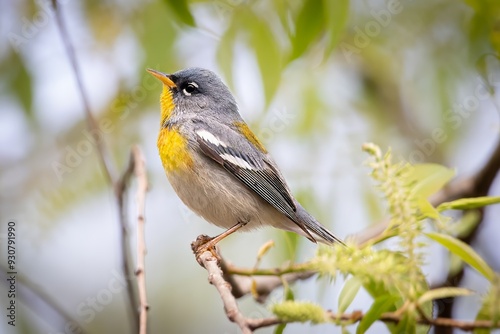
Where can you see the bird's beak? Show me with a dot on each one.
(162, 77)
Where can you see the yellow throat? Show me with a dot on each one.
(172, 145)
(166, 103)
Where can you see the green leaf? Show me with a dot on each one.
(181, 10)
(382, 304)
(309, 24)
(428, 178)
(225, 51)
(336, 15)
(476, 4)
(443, 293)
(407, 325)
(267, 52)
(288, 292)
(427, 209)
(157, 34)
(264, 249)
(292, 241)
(465, 252)
(490, 308)
(455, 265)
(469, 203)
(349, 291)
(378, 290)
(282, 8)
(310, 120)
(465, 224)
(482, 65)
(22, 85)
(482, 330)
(18, 80)
(280, 329)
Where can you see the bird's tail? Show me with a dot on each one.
(317, 231)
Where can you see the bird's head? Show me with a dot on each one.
(194, 90)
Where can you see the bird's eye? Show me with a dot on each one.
(190, 88)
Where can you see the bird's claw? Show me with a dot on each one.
(202, 244)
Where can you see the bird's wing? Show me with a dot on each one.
(253, 170)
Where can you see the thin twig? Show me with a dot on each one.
(91, 122)
(262, 282)
(248, 325)
(263, 322)
(396, 318)
(390, 317)
(241, 285)
(142, 188)
(120, 191)
(216, 278)
(294, 268)
(119, 185)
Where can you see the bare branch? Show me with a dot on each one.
(142, 187)
(294, 268)
(390, 317)
(241, 280)
(215, 277)
(119, 185)
(126, 256)
(395, 318)
(247, 325)
(91, 122)
(485, 177)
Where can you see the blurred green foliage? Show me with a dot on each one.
(286, 37)
(399, 68)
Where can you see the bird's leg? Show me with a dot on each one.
(205, 243)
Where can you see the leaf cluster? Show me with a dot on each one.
(394, 277)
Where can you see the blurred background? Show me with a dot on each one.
(314, 79)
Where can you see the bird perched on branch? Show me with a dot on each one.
(216, 164)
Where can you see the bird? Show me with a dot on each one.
(218, 167)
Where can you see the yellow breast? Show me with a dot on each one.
(172, 146)
(173, 149)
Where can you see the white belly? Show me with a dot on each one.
(223, 200)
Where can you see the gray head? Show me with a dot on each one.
(197, 89)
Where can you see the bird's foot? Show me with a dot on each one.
(202, 244)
